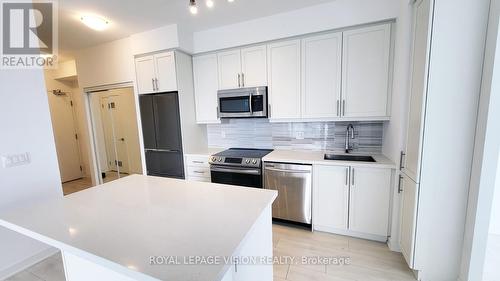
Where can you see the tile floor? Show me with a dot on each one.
(370, 261)
(84, 183)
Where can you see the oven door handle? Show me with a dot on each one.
(238, 171)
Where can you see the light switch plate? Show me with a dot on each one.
(9, 161)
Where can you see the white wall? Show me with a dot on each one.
(25, 127)
(163, 38)
(335, 14)
(495, 212)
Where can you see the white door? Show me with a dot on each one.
(65, 136)
(229, 64)
(165, 72)
(418, 89)
(205, 88)
(331, 197)
(119, 137)
(365, 74)
(409, 203)
(284, 79)
(321, 76)
(254, 66)
(145, 72)
(370, 200)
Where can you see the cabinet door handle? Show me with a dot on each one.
(400, 186)
(343, 108)
(347, 176)
(352, 176)
(239, 80)
(153, 82)
(269, 111)
(401, 160)
(156, 83)
(242, 79)
(217, 110)
(198, 162)
(338, 107)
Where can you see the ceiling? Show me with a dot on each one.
(132, 16)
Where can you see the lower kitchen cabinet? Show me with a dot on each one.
(409, 203)
(352, 201)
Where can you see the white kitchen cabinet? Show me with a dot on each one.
(284, 79)
(369, 202)
(145, 72)
(418, 90)
(321, 76)
(156, 73)
(365, 71)
(197, 168)
(205, 88)
(331, 197)
(229, 69)
(409, 203)
(352, 200)
(254, 66)
(165, 72)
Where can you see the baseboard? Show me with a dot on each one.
(13, 270)
(345, 232)
(393, 245)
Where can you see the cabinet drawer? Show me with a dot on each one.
(203, 172)
(197, 161)
(200, 179)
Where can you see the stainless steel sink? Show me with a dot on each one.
(344, 157)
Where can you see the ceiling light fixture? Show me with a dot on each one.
(94, 22)
(210, 3)
(230, 1)
(192, 7)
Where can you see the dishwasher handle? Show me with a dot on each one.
(288, 171)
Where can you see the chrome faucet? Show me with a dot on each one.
(350, 129)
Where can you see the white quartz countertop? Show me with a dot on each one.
(123, 223)
(317, 158)
(209, 151)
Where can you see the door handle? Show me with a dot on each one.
(343, 108)
(352, 176)
(401, 158)
(338, 107)
(347, 176)
(400, 187)
(153, 82)
(239, 80)
(156, 83)
(242, 79)
(250, 103)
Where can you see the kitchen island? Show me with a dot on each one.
(149, 228)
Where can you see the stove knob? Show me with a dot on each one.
(214, 159)
(254, 161)
(220, 159)
(247, 161)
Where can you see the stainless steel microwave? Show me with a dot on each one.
(243, 103)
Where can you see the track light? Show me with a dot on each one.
(192, 7)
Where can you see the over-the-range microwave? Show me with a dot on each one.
(243, 103)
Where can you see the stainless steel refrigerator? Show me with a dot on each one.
(161, 129)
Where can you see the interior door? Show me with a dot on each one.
(409, 203)
(167, 121)
(121, 138)
(369, 200)
(331, 197)
(165, 72)
(365, 73)
(254, 66)
(145, 72)
(284, 79)
(65, 136)
(418, 89)
(229, 64)
(321, 75)
(109, 134)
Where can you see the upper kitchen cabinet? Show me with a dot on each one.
(254, 66)
(365, 71)
(321, 76)
(156, 73)
(205, 87)
(284, 74)
(242, 68)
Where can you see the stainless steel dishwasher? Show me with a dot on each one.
(294, 185)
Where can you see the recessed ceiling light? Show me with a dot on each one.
(230, 1)
(95, 22)
(192, 7)
(210, 3)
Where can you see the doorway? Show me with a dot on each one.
(116, 134)
(65, 135)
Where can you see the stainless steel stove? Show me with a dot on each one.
(238, 166)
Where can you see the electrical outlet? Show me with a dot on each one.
(299, 135)
(9, 161)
